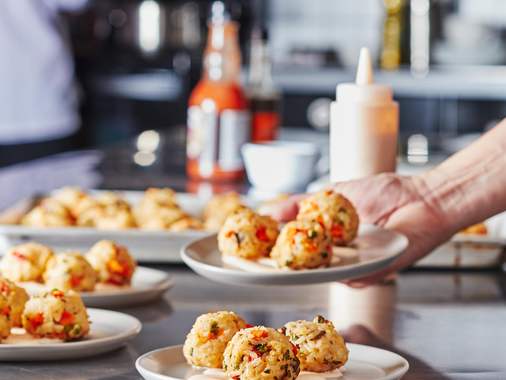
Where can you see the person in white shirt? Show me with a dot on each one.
(38, 98)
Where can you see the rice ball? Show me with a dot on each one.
(302, 244)
(5, 318)
(56, 314)
(108, 211)
(160, 196)
(112, 262)
(320, 347)
(187, 223)
(16, 298)
(158, 210)
(72, 198)
(49, 213)
(260, 353)
(219, 208)
(334, 212)
(158, 218)
(247, 234)
(25, 262)
(206, 342)
(70, 270)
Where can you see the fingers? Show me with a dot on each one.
(286, 210)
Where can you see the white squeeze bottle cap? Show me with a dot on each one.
(364, 68)
(363, 126)
(364, 89)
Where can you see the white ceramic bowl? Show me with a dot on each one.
(280, 166)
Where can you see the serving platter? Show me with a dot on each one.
(375, 248)
(471, 251)
(147, 285)
(145, 246)
(109, 330)
(365, 363)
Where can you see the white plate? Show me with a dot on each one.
(109, 331)
(147, 285)
(365, 363)
(376, 248)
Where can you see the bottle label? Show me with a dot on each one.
(216, 138)
(234, 133)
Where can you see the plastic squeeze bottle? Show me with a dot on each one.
(364, 126)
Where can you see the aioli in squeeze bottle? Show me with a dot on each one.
(364, 125)
(218, 114)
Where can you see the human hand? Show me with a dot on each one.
(395, 202)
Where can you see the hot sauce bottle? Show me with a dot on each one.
(218, 116)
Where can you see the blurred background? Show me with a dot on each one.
(137, 61)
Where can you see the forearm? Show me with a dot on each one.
(471, 185)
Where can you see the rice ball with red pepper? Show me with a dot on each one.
(320, 347)
(70, 270)
(16, 298)
(247, 234)
(302, 244)
(219, 208)
(112, 262)
(5, 318)
(25, 262)
(206, 342)
(56, 314)
(334, 212)
(49, 213)
(260, 353)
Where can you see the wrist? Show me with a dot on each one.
(443, 198)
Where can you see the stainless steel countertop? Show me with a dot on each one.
(447, 324)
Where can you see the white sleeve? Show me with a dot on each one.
(67, 5)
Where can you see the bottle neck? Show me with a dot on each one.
(222, 57)
(260, 72)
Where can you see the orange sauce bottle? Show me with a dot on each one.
(218, 117)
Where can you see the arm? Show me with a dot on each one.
(466, 189)
(471, 185)
(429, 209)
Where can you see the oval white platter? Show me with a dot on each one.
(374, 248)
(147, 285)
(109, 331)
(365, 363)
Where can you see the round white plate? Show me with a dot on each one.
(147, 285)
(375, 247)
(365, 363)
(109, 331)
